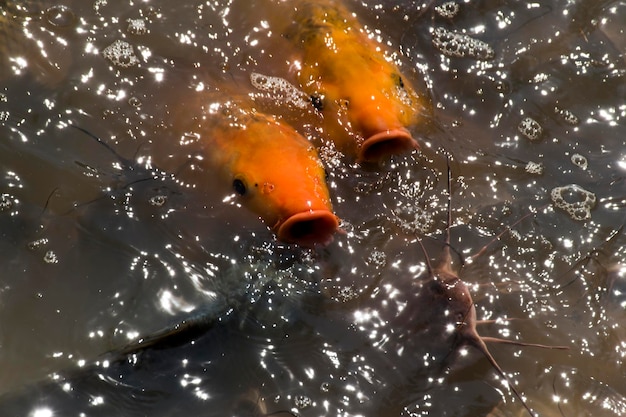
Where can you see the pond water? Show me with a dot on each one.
(103, 244)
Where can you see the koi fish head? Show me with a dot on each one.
(278, 175)
(352, 83)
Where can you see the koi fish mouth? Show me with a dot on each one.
(308, 228)
(384, 144)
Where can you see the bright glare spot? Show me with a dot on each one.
(42, 412)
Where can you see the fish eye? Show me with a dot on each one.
(239, 186)
(317, 101)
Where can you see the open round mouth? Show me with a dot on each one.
(387, 143)
(309, 228)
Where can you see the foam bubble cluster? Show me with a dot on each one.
(567, 116)
(280, 89)
(575, 200)
(137, 26)
(460, 45)
(51, 257)
(530, 128)
(121, 53)
(6, 202)
(448, 9)
(420, 221)
(534, 168)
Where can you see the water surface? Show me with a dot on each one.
(97, 249)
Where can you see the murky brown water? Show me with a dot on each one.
(96, 250)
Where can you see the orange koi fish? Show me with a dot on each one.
(366, 102)
(275, 171)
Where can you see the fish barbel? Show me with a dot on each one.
(275, 171)
(366, 102)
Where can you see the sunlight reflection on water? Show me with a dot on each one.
(99, 248)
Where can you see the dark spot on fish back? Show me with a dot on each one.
(397, 79)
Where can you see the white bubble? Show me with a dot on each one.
(580, 161)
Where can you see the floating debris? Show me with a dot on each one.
(580, 161)
(281, 89)
(580, 209)
(121, 53)
(448, 9)
(530, 128)
(534, 168)
(456, 44)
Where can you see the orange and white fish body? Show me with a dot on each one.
(276, 172)
(367, 104)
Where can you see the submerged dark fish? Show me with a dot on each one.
(368, 105)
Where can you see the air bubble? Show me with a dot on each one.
(6, 202)
(567, 116)
(60, 16)
(137, 26)
(121, 53)
(448, 9)
(421, 221)
(580, 207)
(530, 128)
(341, 294)
(534, 168)
(460, 45)
(302, 401)
(50, 257)
(38, 244)
(377, 259)
(580, 161)
(280, 89)
(158, 200)
(189, 137)
(134, 101)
